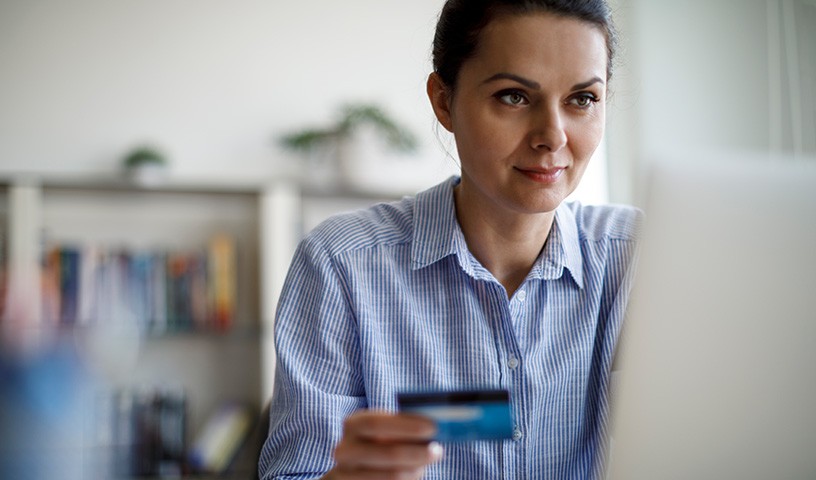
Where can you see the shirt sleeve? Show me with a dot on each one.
(318, 380)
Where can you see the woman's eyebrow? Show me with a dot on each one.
(583, 85)
(535, 85)
(509, 76)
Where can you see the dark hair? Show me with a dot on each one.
(462, 21)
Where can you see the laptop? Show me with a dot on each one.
(716, 369)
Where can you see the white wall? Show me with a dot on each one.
(710, 76)
(215, 82)
(707, 77)
(212, 82)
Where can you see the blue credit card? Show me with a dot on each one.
(462, 415)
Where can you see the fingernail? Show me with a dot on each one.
(436, 450)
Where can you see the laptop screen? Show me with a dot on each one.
(717, 365)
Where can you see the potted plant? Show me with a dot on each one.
(146, 166)
(335, 144)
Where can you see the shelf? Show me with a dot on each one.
(109, 182)
(267, 218)
(210, 367)
(191, 184)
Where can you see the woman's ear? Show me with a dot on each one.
(439, 96)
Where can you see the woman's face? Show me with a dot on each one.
(527, 111)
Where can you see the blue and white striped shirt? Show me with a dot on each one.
(390, 299)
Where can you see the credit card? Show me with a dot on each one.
(462, 415)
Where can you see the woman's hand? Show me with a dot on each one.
(384, 446)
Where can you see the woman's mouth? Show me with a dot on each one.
(542, 175)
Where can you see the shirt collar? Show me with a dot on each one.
(435, 225)
(437, 234)
(562, 250)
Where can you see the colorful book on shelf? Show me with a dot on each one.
(157, 322)
(121, 312)
(138, 286)
(221, 262)
(88, 271)
(69, 284)
(199, 310)
(178, 292)
(108, 290)
(51, 291)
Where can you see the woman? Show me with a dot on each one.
(484, 281)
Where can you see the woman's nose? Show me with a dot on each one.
(547, 132)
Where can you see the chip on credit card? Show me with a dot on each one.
(462, 415)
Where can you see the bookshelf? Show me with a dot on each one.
(209, 366)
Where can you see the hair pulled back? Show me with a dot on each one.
(462, 21)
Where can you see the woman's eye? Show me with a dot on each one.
(512, 98)
(584, 101)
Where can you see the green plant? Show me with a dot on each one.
(352, 117)
(144, 156)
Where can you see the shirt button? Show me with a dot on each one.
(512, 362)
(517, 435)
(521, 295)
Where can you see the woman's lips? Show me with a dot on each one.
(542, 175)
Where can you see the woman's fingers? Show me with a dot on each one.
(381, 445)
(380, 455)
(387, 427)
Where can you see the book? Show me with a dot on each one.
(138, 288)
(69, 283)
(221, 262)
(178, 292)
(158, 297)
(51, 290)
(217, 445)
(86, 298)
(199, 308)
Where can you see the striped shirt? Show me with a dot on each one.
(389, 299)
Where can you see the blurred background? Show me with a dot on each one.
(149, 200)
